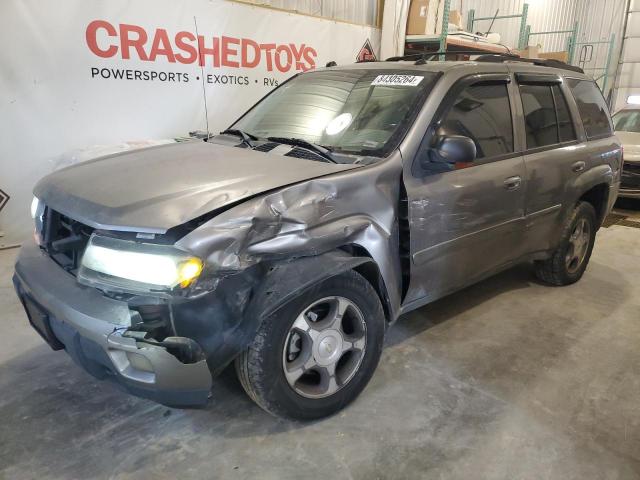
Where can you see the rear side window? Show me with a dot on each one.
(546, 116)
(482, 113)
(540, 119)
(566, 131)
(592, 107)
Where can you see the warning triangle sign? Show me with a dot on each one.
(366, 53)
(4, 198)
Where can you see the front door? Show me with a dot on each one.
(466, 219)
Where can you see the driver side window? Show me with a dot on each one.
(482, 113)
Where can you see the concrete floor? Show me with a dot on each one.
(507, 379)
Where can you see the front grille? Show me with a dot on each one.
(630, 175)
(64, 239)
(631, 167)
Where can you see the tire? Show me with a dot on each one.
(276, 350)
(558, 270)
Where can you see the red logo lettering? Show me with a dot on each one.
(106, 40)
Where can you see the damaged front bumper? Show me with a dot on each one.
(92, 328)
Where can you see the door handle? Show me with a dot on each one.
(512, 183)
(578, 166)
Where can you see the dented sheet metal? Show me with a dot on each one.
(353, 208)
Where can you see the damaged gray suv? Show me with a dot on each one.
(289, 243)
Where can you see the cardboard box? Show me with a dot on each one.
(418, 14)
(455, 17)
(561, 56)
(532, 51)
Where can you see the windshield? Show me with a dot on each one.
(362, 112)
(627, 121)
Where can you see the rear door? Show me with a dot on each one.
(604, 153)
(553, 155)
(466, 219)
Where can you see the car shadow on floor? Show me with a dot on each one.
(43, 391)
(40, 380)
(450, 306)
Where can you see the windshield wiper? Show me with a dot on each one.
(324, 152)
(245, 136)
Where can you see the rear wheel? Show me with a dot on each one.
(570, 260)
(316, 354)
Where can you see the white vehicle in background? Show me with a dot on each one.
(626, 124)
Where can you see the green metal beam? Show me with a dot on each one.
(498, 17)
(470, 19)
(524, 28)
(594, 43)
(525, 42)
(445, 29)
(550, 32)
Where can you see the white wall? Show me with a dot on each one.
(597, 20)
(51, 102)
(628, 81)
(362, 12)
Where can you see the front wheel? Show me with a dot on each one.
(316, 354)
(570, 259)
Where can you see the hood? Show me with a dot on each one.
(154, 189)
(631, 144)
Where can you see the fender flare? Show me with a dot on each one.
(600, 175)
(241, 303)
(285, 280)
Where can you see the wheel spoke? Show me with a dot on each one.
(328, 383)
(337, 313)
(301, 323)
(359, 343)
(305, 326)
(578, 230)
(353, 344)
(570, 254)
(297, 368)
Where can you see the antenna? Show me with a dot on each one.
(204, 93)
(492, 22)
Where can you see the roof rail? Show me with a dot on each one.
(544, 62)
(428, 56)
(422, 58)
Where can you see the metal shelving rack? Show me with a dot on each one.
(524, 37)
(442, 39)
(571, 40)
(604, 76)
(471, 19)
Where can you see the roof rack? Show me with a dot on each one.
(422, 58)
(544, 62)
(427, 56)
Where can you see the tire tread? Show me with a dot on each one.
(553, 269)
(249, 364)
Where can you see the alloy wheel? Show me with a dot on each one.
(578, 245)
(324, 347)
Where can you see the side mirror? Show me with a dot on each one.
(453, 149)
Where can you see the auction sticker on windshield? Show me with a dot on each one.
(406, 80)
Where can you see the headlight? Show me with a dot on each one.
(35, 206)
(37, 213)
(137, 266)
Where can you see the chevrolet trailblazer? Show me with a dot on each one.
(291, 241)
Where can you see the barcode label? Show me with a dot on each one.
(397, 80)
